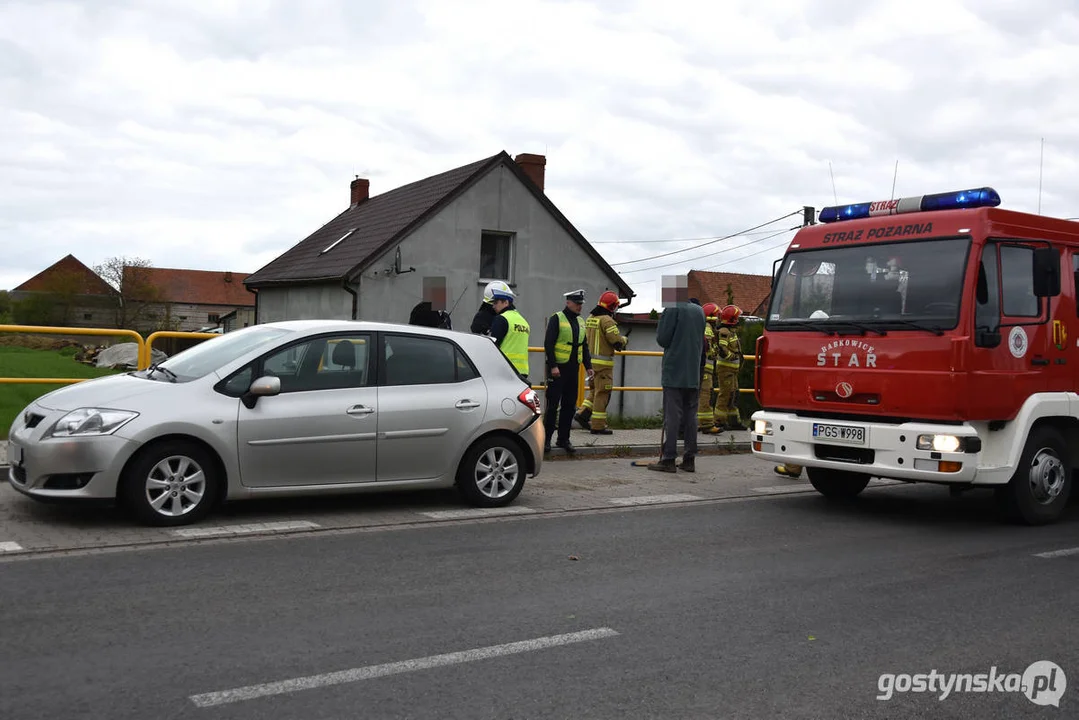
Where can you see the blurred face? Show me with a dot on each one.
(574, 306)
(500, 304)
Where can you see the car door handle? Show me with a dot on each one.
(360, 410)
(466, 404)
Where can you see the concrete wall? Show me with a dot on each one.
(546, 262)
(190, 317)
(324, 302)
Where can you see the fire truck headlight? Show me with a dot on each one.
(762, 427)
(939, 443)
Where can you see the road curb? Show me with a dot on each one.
(615, 451)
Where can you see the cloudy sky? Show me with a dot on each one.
(215, 134)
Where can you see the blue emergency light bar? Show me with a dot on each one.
(981, 197)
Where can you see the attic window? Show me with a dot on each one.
(337, 241)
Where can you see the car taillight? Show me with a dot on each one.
(531, 399)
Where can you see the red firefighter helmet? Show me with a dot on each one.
(730, 314)
(609, 300)
(711, 311)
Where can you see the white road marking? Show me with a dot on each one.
(475, 512)
(242, 529)
(10, 547)
(374, 671)
(651, 499)
(1058, 553)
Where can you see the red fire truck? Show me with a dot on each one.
(928, 339)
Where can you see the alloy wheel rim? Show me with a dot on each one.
(175, 486)
(496, 472)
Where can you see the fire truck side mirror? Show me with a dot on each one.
(1046, 272)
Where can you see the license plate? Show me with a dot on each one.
(839, 433)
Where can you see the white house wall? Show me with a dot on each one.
(307, 302)
(547, 261)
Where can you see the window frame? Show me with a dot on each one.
(1044, 308)
(511, 255)
(458, 351)
(258, 364)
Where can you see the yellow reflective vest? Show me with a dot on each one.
(515, 345)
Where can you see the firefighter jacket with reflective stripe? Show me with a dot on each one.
(730, 349)
(515, 345)
(603, 337)
(711, 345)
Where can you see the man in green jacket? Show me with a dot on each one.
(681, 335)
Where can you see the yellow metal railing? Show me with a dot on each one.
(143, 351)
(144, 358)
(581, 389)
(145, 347)
(49, 330)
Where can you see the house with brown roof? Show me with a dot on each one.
(191, 300)
(751, 293)
(67, 293)
(488, 220)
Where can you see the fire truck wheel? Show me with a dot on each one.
(1039, 490)
(837, 484)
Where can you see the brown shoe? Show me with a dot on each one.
(663, 466)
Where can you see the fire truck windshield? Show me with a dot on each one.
(914, 285)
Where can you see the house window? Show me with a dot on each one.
(87, 316)
(213, 317)
(183, 317)
(496, 256)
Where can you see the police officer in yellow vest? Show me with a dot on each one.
(565, 351)
(603, 339)
(510, 330)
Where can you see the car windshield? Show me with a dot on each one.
(915, 285)
(208, 356)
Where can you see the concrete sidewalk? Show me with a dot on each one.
(625, 443)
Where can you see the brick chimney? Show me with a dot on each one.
(360, 188)
(533, 165)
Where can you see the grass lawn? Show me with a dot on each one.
(22, 362)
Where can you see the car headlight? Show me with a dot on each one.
(938, 443)
(762, 427)
(91, 421)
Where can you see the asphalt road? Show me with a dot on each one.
(780, 606)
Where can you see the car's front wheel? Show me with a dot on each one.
(492, 472)
(171, 483)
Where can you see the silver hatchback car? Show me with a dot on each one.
(290, 408)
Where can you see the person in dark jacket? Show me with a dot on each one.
(565, 351)
(425, 315)
(481, 322)
(681, 335)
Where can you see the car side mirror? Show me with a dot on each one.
(263, 387)
(1046, 272)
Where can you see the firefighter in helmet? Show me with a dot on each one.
(603, 338)
(728, 363)
(705, 411)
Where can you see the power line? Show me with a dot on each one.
(710, 242)
(674, 240)
(717, 252)
(767, 249)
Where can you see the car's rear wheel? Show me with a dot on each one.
(837, 484)
(492, 472)
(171, 483)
